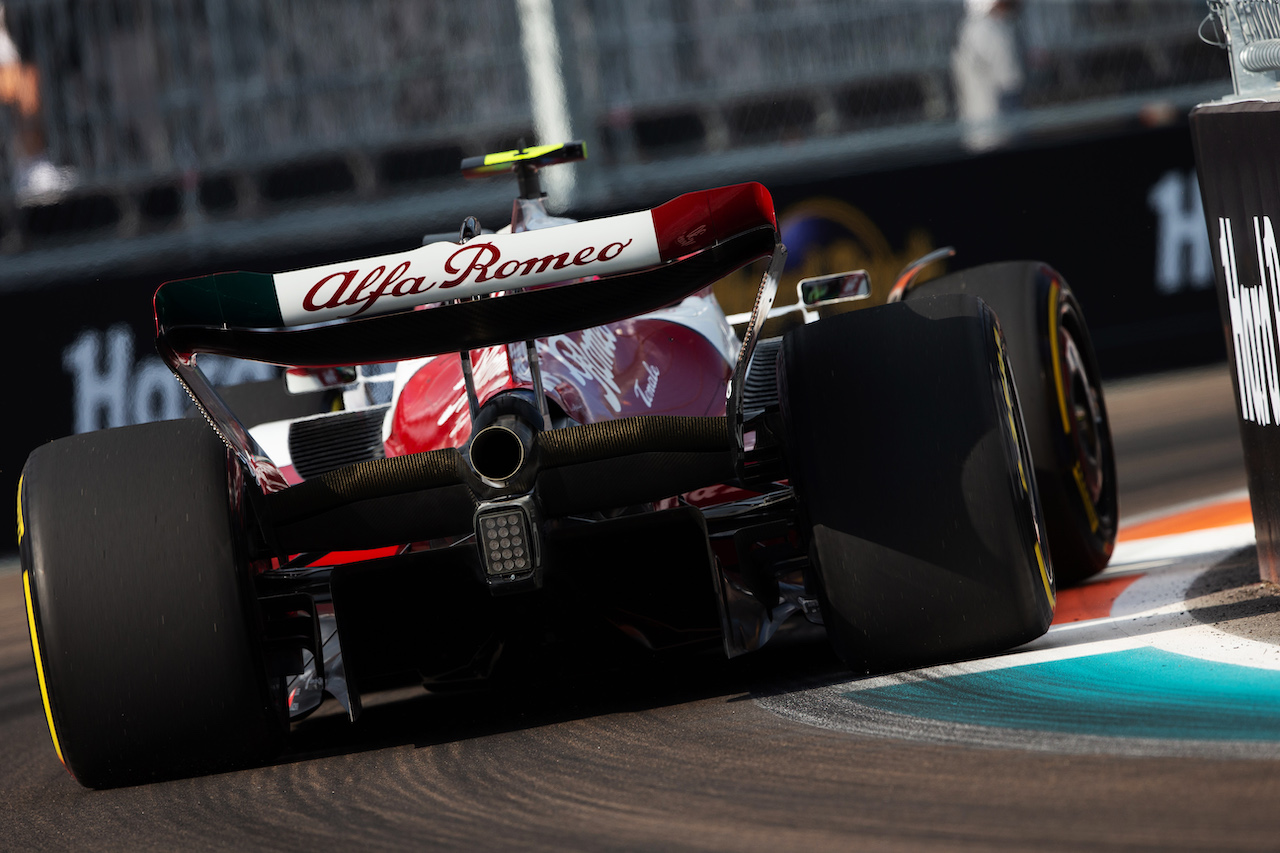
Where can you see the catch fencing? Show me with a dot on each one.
(168, 115)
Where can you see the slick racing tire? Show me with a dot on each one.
(143, 626)
(1062, 402)
(908, 456)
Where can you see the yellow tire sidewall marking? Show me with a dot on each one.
(1008, 407)
(35, 649)
(1044, 577)
(1090, 511)
(1057, 360)
(1008, 402)
(21, 526)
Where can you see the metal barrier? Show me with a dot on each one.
(1250, 31)
(1236, 139)
(138, 87)
(176, 113)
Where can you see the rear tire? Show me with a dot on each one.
(146, 634)
(907, 453)
(1065, 412)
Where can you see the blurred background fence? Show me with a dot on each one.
(201, 127)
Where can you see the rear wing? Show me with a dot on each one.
(367, 311)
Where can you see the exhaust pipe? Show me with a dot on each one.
(500, 450)
(503, 444)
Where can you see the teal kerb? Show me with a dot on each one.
(230, 299)
(1139, 693)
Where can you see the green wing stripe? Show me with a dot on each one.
(229, 299)
(538, 157)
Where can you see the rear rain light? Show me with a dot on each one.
(507, 539)
(506, 543)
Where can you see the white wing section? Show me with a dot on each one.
(445, 271)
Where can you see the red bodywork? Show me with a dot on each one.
(643, 365)
(652, 364)
(637, 366)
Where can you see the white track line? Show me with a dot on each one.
(1191, 543)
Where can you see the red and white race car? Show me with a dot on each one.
(553, 434)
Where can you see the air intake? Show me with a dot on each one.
(321, 444)
(760, 391)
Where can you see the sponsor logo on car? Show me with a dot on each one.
(591, 355)
(650, 388)
(445, 271)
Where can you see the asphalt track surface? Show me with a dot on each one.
(703, 756)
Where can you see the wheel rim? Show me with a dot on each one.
(1083, 448)
(1084, 415)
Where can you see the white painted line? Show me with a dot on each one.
(1189, 544)
(1151, 613)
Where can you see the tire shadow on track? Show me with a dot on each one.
(547, 692)
(1186, 663)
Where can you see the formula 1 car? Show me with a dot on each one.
(547, 435)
